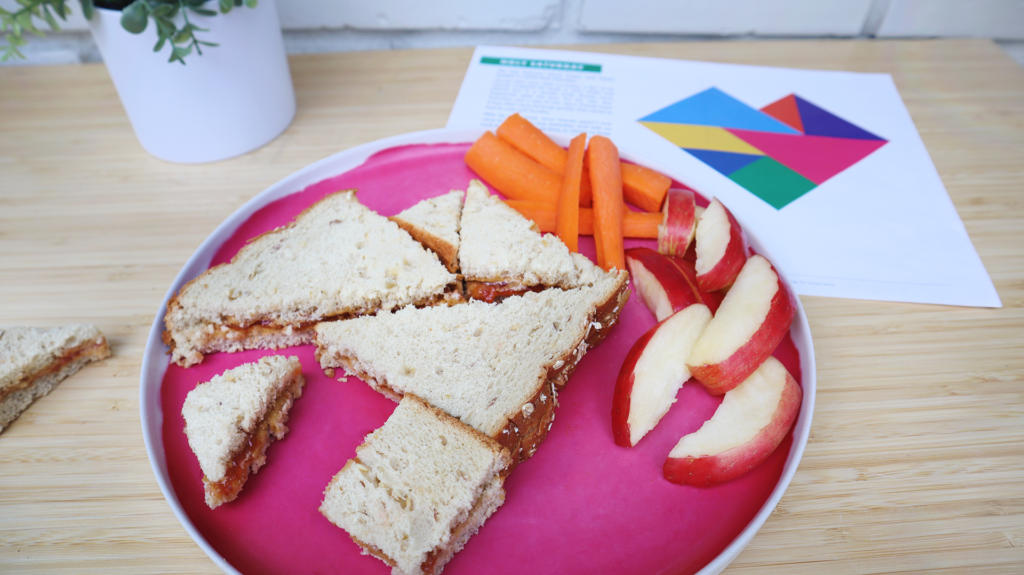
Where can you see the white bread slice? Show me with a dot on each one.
(34, 360)
(337, 259)
(500, 246)
(418, 489)
(495, 366)
(435, 223)
(232, 419)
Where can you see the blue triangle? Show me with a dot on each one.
(818, 122)
(724, 162)
(713, 107)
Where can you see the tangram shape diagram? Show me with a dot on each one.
(778, 153)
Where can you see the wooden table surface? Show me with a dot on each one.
(916, 458)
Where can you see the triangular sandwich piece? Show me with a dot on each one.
(232, 419)
(337, 259)
(435, 224)
(495, 366)
(34, 360)
(503, 253)
(418, 488)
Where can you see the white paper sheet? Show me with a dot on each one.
(883, 228)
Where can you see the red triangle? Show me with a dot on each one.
(785, 111)
(816, 158)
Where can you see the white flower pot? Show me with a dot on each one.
(232, 99)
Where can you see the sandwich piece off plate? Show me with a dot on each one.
(581, 504)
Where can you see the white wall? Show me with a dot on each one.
(347, 25)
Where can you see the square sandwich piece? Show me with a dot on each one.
(232, 419)
(418, 488)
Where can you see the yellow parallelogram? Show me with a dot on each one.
(702, 138)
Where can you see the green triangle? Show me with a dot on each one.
(772, 182)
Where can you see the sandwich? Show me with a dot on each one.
(502, 253)
(495, 366)
(419, 487)
(435, 223)
(232, 419)
(34, 360)
(336, 260)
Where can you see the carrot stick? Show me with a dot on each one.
(586, 190)
(511, 172)
(606, 182)
(522, 135)
(644, 187)
(637, 225)
(567, 221)
(528, 139)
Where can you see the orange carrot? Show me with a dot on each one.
(586, 190)
(567, 221)
(522, 135)
(606, 182)
(528, 139)
(644, 187)
(638, 225)
(511, 172)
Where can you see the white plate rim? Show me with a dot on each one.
(155, 357)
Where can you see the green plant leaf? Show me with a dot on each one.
(162, 11)
(225, 6)
(87, 7)
(179, 53)
(250, 3)
(135, 17)
(159, 44)
(204, 11)
(50, 19)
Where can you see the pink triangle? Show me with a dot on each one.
(816, 158)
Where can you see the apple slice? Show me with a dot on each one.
(712, 299)
(747, 427)
(653, 372)
(678, 222)
(751, 322)
(721, 247)
(662, 286)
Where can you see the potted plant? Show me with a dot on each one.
(234, 95)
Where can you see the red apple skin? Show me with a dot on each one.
(711, 299)
(711, 470)
(624, 388)
(719, 378)
(679, 291)
(725, 271)
(679, 222)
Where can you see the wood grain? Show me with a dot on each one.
(916, 457)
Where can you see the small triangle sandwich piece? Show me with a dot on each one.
(232, 419)
(495, 366)
(418, 488)
(503, 253)
(337, 259)
(435, 223)
(34, 360)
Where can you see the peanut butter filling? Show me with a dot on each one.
(94, 350)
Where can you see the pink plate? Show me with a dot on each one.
(581, 504)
